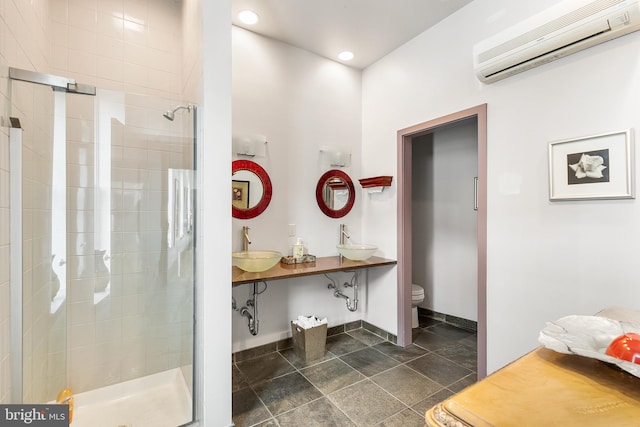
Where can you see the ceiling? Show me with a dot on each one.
(369, 28)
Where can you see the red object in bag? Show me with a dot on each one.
(626, 347)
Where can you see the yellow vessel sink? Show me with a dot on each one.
(357, 252)
(255, 261)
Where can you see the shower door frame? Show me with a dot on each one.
(57, 84)
(15, 162)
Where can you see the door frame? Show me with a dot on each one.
(405, 138)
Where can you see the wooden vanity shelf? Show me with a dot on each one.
(320, 266)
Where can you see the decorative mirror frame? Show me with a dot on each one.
(334, 173)
(248, 165)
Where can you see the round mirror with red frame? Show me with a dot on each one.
(250, 189)
(335, 193)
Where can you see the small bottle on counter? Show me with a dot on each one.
(298, 249)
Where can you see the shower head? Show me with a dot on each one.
(171, 114)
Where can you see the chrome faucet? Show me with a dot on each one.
(343, 234)
(246, 241)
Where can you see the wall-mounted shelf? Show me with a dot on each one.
(322, 265)
(376, 184)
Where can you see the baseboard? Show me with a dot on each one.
(460, 322)
(333, 330)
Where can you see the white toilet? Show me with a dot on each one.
(417, 296)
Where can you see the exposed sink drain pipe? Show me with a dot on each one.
(352, 304)
(251, 315)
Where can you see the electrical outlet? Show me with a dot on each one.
(292, 230)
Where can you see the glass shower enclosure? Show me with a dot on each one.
(103, 240)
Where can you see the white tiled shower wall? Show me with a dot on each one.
(24, 44)
(131, 46)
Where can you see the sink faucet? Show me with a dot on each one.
(343, 234)
(246, 241)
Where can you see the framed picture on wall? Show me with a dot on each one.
(592, 167)
(240, 194)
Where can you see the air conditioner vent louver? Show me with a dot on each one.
(533, 62)
(566, 28)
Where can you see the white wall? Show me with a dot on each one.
(214, 275)
(541, 260)
(444, 223)
(301, 102)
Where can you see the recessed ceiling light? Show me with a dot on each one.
(345, 56)
(248, 17)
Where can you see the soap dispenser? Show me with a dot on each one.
(298, 249)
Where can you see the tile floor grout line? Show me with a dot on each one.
(419, 373)
(458, 364)
(263, 404)
(272, 378)
(251, 386)
(440, 384)
(323, 393)
(326, 396)
(298, 407)
(455, 363)
(365, 379)
(390, 394)
(347, 386)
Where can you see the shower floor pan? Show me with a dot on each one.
(158, 400)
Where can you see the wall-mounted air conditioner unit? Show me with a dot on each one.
(566, 28)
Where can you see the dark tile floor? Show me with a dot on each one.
(362, 381)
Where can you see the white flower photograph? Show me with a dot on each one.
(588, 167)
(592, 167)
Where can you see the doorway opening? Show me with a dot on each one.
(405, 232)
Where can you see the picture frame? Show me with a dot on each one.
(592, 167)
(240, 194)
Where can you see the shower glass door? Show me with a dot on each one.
(107, 262)
(40, 278)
